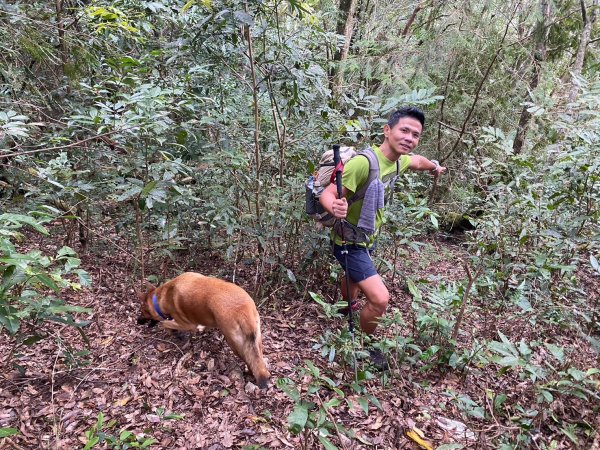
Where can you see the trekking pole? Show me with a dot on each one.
(338, 182)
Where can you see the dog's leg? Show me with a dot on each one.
(174, 325)
(248, 347)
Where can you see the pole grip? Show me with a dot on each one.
(338, 169)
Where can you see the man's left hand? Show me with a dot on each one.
(437, 170)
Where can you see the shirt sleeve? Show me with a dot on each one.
(404, 163)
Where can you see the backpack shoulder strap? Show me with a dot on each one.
(390, 182)
(373, 175)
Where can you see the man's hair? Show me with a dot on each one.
(407, 111)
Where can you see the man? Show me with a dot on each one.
(401, 137)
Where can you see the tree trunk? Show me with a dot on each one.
(58, 5)
(588, 21)
(541, 40)
(345, 27)
(256, 110)
(411, 19)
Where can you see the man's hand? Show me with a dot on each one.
(437, 170)
(418, 162)
(339, 208)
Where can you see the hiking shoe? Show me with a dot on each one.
(353, 304)
(378, 360)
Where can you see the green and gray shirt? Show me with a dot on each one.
(356, 173)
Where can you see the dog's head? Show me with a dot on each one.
(145, 305)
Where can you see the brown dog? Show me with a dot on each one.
(192, 302)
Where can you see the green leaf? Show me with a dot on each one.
(148, 442)
(187, 6)
(84, 278)
(524, 304)
(124, 435)
(68, 309)
(326, 443)
(557, 352)
(32, 339)
(577, 374)
(434, 221)
(286, 385)
(71, 264)
(317, 298)
(569, 432)
(148, 188)
(132, 191)
(412, 288)
(477, 412)
(374, 400)
(524, 348)
(506, 348)
(332, 403)
(499, 400)
(548, 397)
(19, 219)
(65, 251)
(9, 321)
(244, 18)
(91, 443)
(331, 355)
(298, 418)
(47, 281)
(69, 321)
(5, 432)
(291, 276)
(509, 361)
(364, 404)
(391, 103)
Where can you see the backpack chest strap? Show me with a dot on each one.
(388, 181)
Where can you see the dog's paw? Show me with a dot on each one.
(251, 388)
(181, 336)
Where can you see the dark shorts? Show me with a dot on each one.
(360, 265)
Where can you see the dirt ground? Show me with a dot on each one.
(193, 393)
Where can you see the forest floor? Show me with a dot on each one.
(193, 393)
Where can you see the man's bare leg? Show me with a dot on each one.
(353, 289)
(377, 300)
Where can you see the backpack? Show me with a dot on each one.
(325, 175)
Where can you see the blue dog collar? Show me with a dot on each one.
(157, 308)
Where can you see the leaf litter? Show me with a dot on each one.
(192, 392)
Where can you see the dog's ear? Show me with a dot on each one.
(136, 291)
(142, 295)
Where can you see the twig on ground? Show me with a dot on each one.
(332, 421)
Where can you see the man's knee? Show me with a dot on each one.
(380, 301)
(377, 295)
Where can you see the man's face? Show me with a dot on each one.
(404, 136)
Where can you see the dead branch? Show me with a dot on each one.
(62, 147)
(472, 278)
